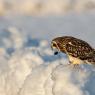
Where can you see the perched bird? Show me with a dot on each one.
(77, 50)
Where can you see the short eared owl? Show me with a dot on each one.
(78, 51)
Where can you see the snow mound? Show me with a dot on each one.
(34, 70)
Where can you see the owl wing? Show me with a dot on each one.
(79, 49)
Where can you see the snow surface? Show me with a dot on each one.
(28, 67)
(27, 63)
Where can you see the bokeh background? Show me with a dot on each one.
(49, 18)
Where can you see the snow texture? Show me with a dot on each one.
(32, 69)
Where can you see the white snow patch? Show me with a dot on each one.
(34, 70)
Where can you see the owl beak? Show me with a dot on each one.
(55, 53)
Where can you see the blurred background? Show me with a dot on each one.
(46, 19)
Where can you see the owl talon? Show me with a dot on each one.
(74, 66)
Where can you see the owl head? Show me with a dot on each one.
(57, 45)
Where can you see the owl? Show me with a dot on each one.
(77, 50)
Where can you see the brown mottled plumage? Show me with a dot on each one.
(78, 51)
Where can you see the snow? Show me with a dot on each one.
(27, 63)
(32, 69)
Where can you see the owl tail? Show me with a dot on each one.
(94, 51)
(91, 60)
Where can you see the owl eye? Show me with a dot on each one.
(54, 45)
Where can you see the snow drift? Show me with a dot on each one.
(32, 69)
